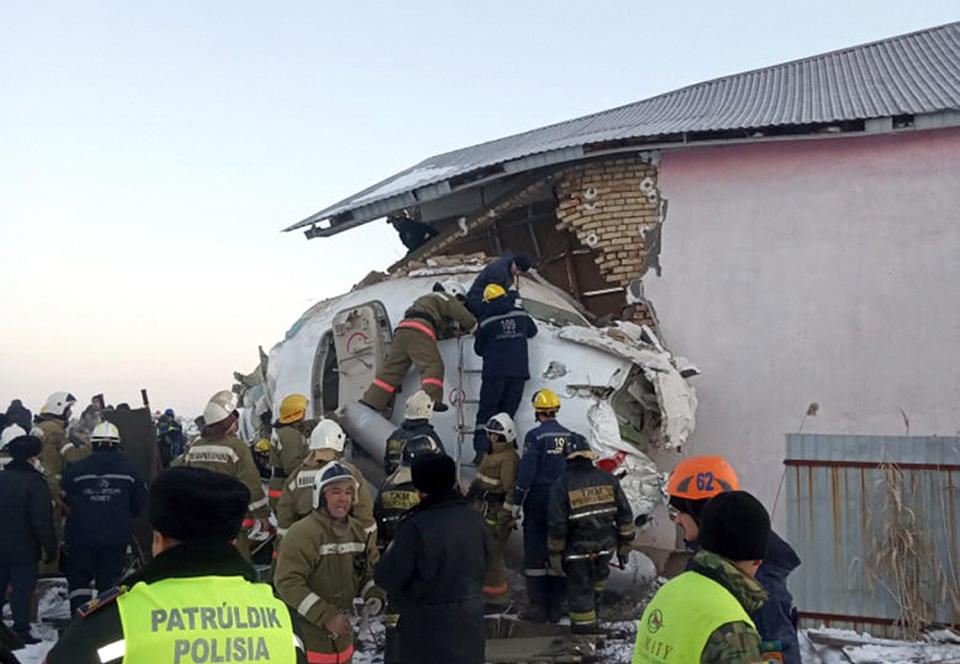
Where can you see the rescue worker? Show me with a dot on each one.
(327, 441)
(413, 234)
(104, 494)
(702, 615)
(198, 599)
(27, 517)
(19, 414)
(590, 520)
(325, 561)
(8, 433)
(692, 484)
(491, 494)
(169, 437)
(502, 271)
(219, 449)
(434, 571)
(541, 465)
(501, 340)
(429, 318)
(416, 425)
(289, 445)
(396, 497)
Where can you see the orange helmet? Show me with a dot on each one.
(702, 477)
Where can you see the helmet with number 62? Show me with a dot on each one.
(702, 477)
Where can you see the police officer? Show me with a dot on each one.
(220, 450)
(501, 340)
(502, 271)
(702, 615)
(542, 463)
(104, 494)
(327, 441)
(416, 424)
(197, 600)
(590, 520)
(325, 561)
(289, 445)
(491, 494)
(396, 497)
(415, 341)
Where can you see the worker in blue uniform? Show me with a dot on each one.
(503, 271)
(104, 494)
(501, 340)
(542, 463)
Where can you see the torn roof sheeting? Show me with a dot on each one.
(909, 74)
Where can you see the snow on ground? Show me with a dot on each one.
(52, 606)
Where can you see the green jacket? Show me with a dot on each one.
(442, 308)
(738, 642)
(297, 499)
(230, 456)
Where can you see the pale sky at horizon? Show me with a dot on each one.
(151, 152)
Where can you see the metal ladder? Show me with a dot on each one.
(465, 430)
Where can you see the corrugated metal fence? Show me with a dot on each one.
(865, 511)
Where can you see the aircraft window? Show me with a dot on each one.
(553, 314)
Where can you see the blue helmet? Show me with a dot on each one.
(168, 412)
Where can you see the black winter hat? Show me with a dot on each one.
(735, 525)
(434, 473)
(24, 447)
(190, 504)
(523, 262)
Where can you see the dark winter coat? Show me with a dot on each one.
(105, 494)
(776, 620)
(434, 572)
(408, 430)
(18, 414)
(500, 272)
(414, 234)
(501, 339)
(543, 460)
(26, 513)
(84, 636)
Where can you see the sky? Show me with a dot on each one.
(151, 153)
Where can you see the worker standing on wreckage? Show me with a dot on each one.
(415, 426)
(289, 445)
(220, 450)
(325, 561)
(590, 520)
(430, 317)
(327, 442)
(197, 600)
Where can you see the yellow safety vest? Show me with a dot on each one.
(202, 620)
(679, 620)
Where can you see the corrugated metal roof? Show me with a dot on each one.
(909, 74)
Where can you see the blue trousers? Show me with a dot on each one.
(543, 584)
(497, 395)
(90, 563)
(24, 579)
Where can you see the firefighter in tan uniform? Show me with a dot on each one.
(289, 445)
(429, 318)
(326, 444)
(220, 450)
(326, 561)
(491, 494)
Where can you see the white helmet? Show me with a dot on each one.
(331, 473)
(419, 406)
(327, 435)
(454, 287)
(58, 403)
(220, 407)
(502, 424)
(12, 432)
(105, 433)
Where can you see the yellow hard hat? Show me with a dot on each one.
(262, 446)
(493, 291)
(545, 400)
(293, 408)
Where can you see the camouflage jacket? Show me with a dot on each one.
(737, 642)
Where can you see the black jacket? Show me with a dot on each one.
(500, 272)
(26, 512)
(434, 572)
(105, 494)
(501, 339)
(408, 430)
(776, 620)
(84, 636)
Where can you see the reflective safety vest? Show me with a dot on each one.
(679, 620)
(205, 619)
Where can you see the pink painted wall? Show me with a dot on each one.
(822, 270)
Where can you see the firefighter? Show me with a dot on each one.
(429, 318)
(702, 615)
(416, 425)
(104, 494)
(503, 271)
(325, 561)
(540, 466)
(197, 600)
(169, 436)
(327, 441)
(219, 449)
(396, 497)
(491, 494)
(589, 520)
(289, 445)
(501, 340)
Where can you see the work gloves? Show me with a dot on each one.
(514, 511)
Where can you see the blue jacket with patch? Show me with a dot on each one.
(500, 271)
(776, 620)
(543, 460)
(105, 494)
(501, 339)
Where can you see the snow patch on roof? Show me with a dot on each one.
(405, 182)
